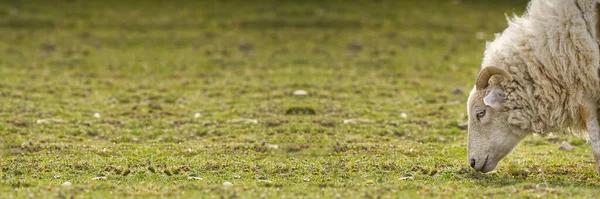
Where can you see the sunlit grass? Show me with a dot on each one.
(174, 99)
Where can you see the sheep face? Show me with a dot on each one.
(491, 137)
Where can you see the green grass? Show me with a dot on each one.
(147, 68)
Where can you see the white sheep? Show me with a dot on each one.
(540, 75)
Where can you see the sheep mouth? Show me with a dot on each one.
(481, 169)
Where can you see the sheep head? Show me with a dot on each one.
(491, 137)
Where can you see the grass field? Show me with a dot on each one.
(174, 98)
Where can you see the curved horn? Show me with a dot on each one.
(487, 72)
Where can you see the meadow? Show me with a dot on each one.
(199, 99)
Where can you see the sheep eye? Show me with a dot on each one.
(480, 114)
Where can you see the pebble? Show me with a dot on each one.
(50, 120)
(100, 178)
(463, 126)
(360, 121)
(300, 93)
(197, 115)
(96, 115)
(67, 184)
(403, 115)
(227, 184)
(566, 146)
(195, 178)
(243, 120)
(407, 178)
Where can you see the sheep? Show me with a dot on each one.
(540, 75)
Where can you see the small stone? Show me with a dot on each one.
(306, 179)
(407, 178)
(463, 126)
(56, 176)
(67, 184)
(227, 184)
(337, 195)
(96, 115)
(50, 120)
(403, 115)
(197, 115)
(195, 178)
(457, 91)
(300, 93)
(237, 176)
(100, 178)
(506, 176)
(243, 121)
(565, 146)
(272, 146)
(358, 121)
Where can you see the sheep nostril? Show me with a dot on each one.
(472, 161)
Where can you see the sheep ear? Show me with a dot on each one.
(494, 98)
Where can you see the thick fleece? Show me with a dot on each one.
(552, 53)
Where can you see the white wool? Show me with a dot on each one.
(552, 54)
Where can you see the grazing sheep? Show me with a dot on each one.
(540, 75)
